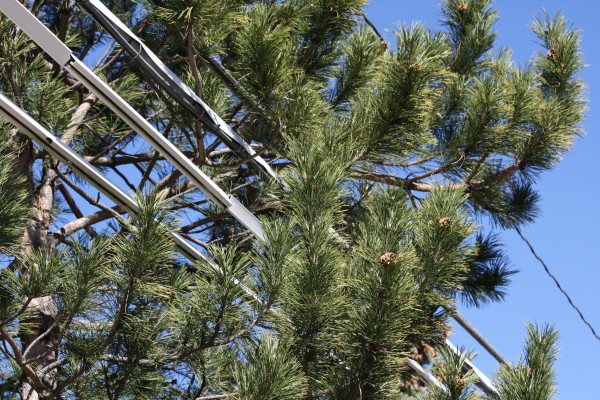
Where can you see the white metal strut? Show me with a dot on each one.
(61, 54)
(29, 126)
(484, 383)
(170, 83)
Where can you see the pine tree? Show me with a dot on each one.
(389, 156)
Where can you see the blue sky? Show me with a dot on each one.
(566, 233)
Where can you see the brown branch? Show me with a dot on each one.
(87, 221)
(83, 193)
(194, 240)
(52, 366)
(124, 159)
(110, 147)
(191, 54)
(216, 396)
(107, 340)
(16, 314)
(407, 163)
(91, 40)
(18, 357)
(74, 207)
(438, 170)
(236, 164)
(77, 118)
(223, 342)
(65, 15)
(37, 340)
(394, 181)
(505, 173)
(221, 216)
(477, 167)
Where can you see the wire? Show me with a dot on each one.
(373, 27)
(585, 321)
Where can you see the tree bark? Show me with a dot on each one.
(37, 346)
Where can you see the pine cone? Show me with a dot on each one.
(445, 223)
(552, 54)
(388, 258)
(462, 7)
(385, 45)
(428, 350)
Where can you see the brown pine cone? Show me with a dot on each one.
(387, 258)
(445, 223)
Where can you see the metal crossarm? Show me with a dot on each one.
(170, 83)
(29, 126)
(61, 54)
(471, 330)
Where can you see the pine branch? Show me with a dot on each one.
(18, 357)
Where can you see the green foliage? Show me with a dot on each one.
(533, 378)
(361, 54)
(397, 106)
(489, 273)
(470, 24)
(264, 46)
(13, 195)
(269, 372)
(458, 384)
(440, 241)
(206, 21)
(326, 23)
(382, 297)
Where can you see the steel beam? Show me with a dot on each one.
(61, 54)
(29, 126)
(170, 83)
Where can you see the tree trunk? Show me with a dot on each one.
(38, 343)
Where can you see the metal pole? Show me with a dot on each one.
(424, 375)
(29, 126)
(167, 80)
(184, 96)
(475, 334)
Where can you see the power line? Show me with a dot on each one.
(585, 321)
(372, 26)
